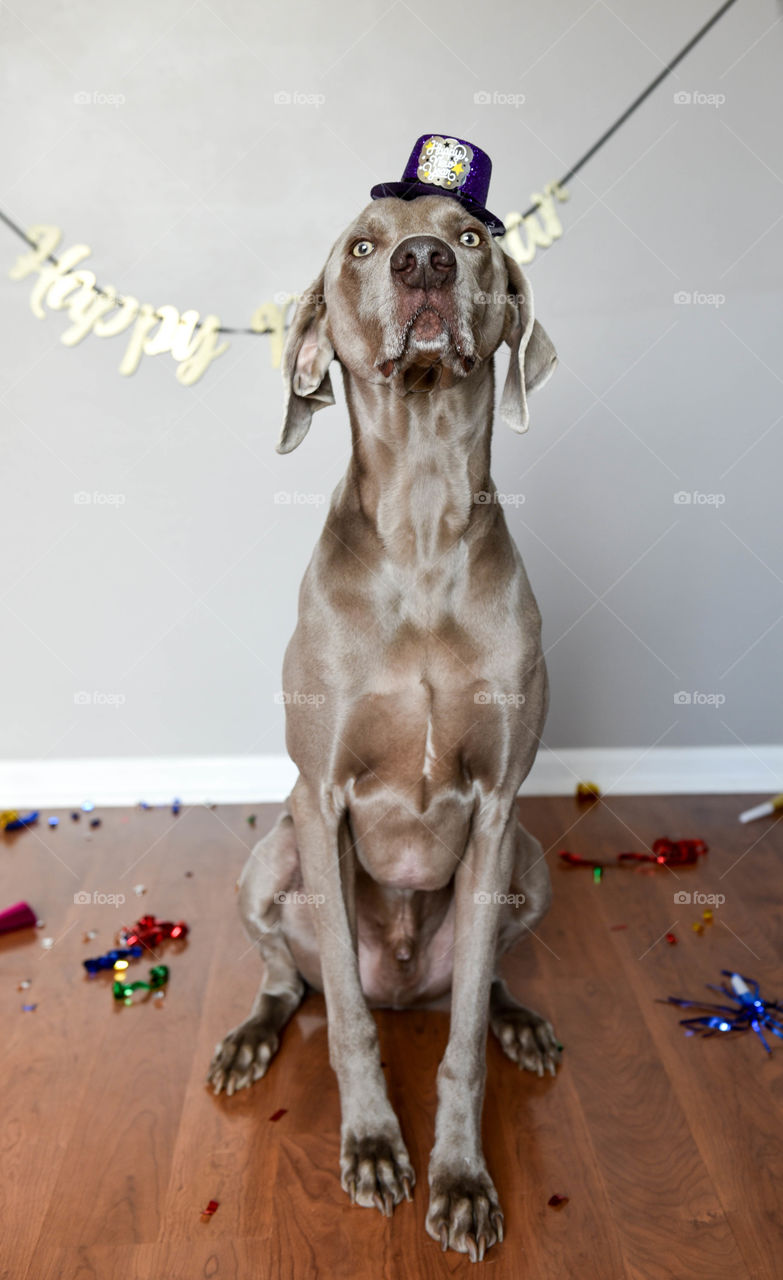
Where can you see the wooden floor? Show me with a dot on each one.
(670, 1149)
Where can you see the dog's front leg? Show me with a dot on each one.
(374, 1164)
(464, 1212)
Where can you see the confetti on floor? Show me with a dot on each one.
(557, 1202)
(278, 1115)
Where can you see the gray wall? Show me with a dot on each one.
(199, 190)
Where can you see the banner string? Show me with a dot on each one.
(561, 183)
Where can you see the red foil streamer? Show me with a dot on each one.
(665, 853)
(150, 932)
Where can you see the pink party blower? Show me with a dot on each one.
(19, 916)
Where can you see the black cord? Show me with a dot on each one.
(588, 155)
(637, 102)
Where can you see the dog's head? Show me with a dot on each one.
(415, 294)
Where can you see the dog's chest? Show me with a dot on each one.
(433, 706)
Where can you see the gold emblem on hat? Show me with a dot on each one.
(444, 162)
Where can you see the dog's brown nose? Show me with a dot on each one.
(423, 262)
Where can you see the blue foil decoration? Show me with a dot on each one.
(750, 1011)
(24, 820)
(107, 962)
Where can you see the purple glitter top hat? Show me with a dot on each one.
(443, 166)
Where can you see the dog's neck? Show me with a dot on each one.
(419, 461)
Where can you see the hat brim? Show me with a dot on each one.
(410, 190)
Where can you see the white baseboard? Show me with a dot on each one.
(50, 784)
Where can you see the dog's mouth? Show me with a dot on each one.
(428, 328)
(426, 344)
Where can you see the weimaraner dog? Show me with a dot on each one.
(415, 692)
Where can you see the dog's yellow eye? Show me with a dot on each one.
(471, 239)
(362, 248)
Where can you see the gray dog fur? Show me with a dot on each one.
(416, 694)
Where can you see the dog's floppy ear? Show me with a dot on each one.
(307, 355)
(533, 358)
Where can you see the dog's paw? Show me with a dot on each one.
(243, 1056)
(464, 1213)
(375, 1171)
(526, 1038)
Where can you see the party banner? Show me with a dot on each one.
(61, 283)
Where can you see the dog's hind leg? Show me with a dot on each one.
(525, 1036)
(245, 1053)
